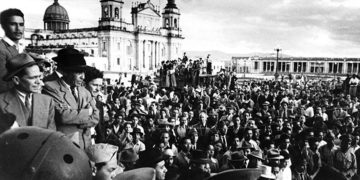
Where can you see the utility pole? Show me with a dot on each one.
(277, 63)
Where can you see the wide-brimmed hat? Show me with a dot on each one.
(256, 154)
(200, 157)
(274, 154)
(266, 172)
(70, 59)
(137, 130)
(137, 174)
(237, 157)
(17, 64)
(247, 145)
(248, 173)
(128, 155)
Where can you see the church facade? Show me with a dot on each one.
(116, 45)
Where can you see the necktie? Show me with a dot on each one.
(27, 102)
(74, 92)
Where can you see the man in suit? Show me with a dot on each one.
(23, 105)
(12, 22)
(76, 110)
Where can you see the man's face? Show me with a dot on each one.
(14, 29)
(74, 78)
(94, 86)
(160, 170)
(187, 145)
(31, 82)
(107, 172)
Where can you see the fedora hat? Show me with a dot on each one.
(199, 157)
(137, 174)
(128, 155)
(137, 130)
(274, 154)
(266, 172)
(237, 157)
(256, 154)
(70, 59)
(18, 63)
(245, 174)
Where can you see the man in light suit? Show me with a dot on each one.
(23, 105)
(12, 22)
(76, 110)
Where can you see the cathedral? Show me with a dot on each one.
(115, 46)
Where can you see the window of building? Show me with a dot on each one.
(118, 46)
(264, 66)
(175, 23)
(349, 68)
(167, 22)
(256, 64)
(118, 61)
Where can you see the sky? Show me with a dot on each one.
(309, 28)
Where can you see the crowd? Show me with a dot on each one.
(270, 129)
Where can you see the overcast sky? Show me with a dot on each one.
(298, 27)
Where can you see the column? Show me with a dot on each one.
(143, 56)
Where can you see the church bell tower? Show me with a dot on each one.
(111, 12)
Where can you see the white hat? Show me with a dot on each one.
(266, 172)
(101, 152)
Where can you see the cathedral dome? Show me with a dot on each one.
(56, 12)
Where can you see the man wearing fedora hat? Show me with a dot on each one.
(23, 105)
(76, 109)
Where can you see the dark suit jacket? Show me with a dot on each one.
(52, 77)
(6, 53)
(72, 117)
(43, 111)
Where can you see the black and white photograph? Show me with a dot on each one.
(180, 90)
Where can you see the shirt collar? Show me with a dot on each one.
(9, 41)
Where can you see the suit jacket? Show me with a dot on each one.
(72, 117)
(11, 110)
(6, 53)
(52, 77)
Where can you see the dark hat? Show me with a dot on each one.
(70, 59)
(137, 130)
(18, 63)
(200, 157)
(150, 157)
(237, 156)
(128, 155)
(274, 154)
(256, 154)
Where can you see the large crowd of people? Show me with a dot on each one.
(177, 129)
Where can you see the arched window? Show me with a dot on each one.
(176, 23)
(167, 22)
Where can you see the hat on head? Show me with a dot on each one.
(247, 145)
(150, 157)
(193, 131)
(168, 153)
(137, 130)
(237, 156)
(200, 157)
(17, 64)
(70, 59)
(137, 174)
(266, 103)
(274, 154)
(266, 172)
(101, 152)
(256, 154)
(128, 155)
